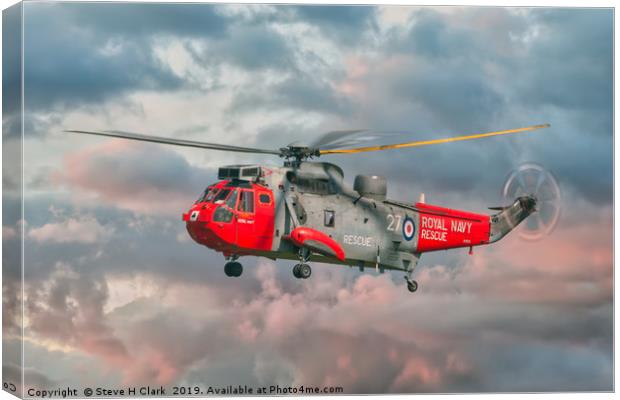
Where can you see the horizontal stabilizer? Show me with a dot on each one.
(499, 208)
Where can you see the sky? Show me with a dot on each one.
(116, 293)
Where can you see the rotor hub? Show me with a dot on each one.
(299, 152)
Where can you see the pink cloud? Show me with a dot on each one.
(366, 332)
(144, 178)
(80, 229)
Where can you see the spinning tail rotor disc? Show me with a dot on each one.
(533, 180)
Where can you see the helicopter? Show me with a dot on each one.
(304, 211)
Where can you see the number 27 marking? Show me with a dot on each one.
(393, 222)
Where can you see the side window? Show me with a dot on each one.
(246, 202)
(329, 218)
(264, 198)
(231, 201)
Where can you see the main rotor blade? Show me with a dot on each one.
(177, 142)
(329, 137)
(429, 142)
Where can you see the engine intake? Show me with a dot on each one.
(371, 186)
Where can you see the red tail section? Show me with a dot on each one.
(444, 228)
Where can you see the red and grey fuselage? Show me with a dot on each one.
(278, 212)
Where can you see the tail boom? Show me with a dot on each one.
(444, 228)
(508, 219)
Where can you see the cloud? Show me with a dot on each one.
(71, 66)
(299, 93)
(461, 82)
(11, 52)
(116, 173)
(131, 20)
(81, 229)
(513, 317)
(345, 23)
(68, 309)
(314, 329)
(578, 84)
(253, 48)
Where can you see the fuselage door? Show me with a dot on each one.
(245, 219)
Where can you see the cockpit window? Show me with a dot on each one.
(221, 196)
(231, 201)
(210, 195)
(203, 195)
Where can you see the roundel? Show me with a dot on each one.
(408, 228)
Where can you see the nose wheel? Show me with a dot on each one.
(233, 268)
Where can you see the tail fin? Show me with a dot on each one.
(511, 216)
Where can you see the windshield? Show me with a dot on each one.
(207, 195)
(210, 195)
(203, 195)
(221, 196)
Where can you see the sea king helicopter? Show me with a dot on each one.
(304, 211)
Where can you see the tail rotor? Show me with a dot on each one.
(536, 182)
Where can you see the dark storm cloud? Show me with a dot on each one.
(459, 91)
(340, 23)
(300, 92)
(251, 47)
(138, 19)
(430, 36)
(570, 67)
(67, 65)
(446, 76)
(80, 54)
(11, 65)
(254, 48)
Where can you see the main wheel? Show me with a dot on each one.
(296, 271)
(412, 286)
(233, 268)
(228, 269)
(304, 271)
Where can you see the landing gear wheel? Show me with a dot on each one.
(304, 271)
(412, 286)
(233, 268)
